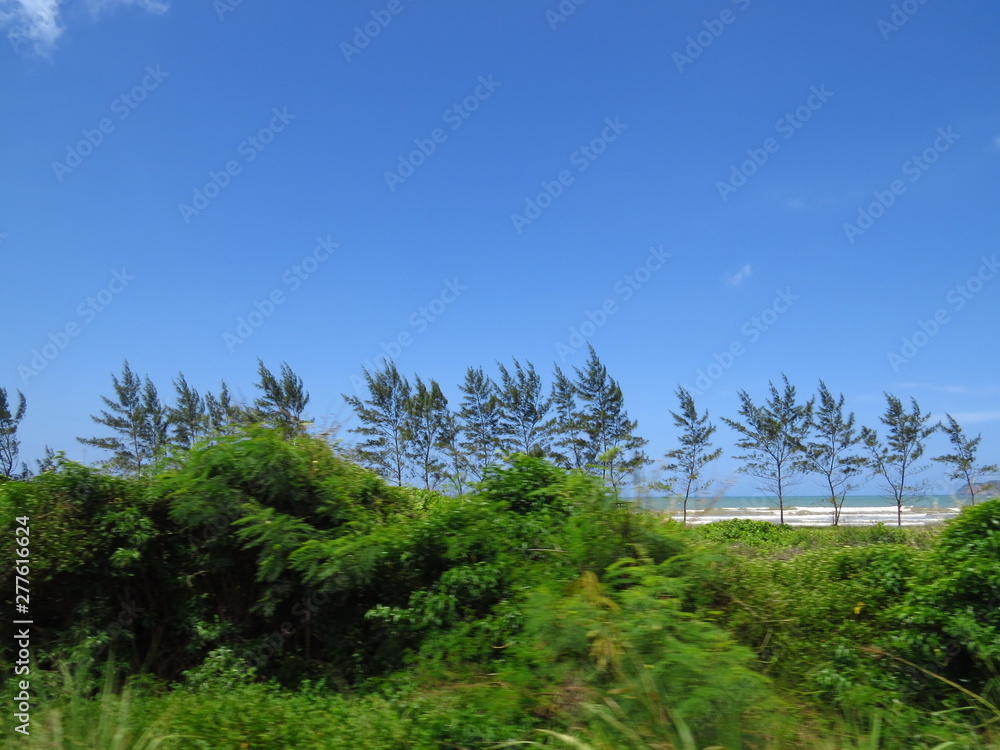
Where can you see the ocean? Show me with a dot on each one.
(810, 510)
(803, 501)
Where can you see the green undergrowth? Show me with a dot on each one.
(259, 592)
(762, 536)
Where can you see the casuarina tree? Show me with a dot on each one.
(9, 444)
(894, 460)
(383, 418)
(772, 437)
(830, 451)
(695, 451)
(962, 463)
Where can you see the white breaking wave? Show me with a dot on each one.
(813, 516)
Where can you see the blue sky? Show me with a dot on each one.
(710, 193)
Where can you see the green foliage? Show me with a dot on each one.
(221, 671)
(224, 416)
(894, 460)
(810, 617)
(428, 432)
(383, 418)
(695, 451)
(152, 562)
(629, 639)
(113, 720)
(830, 452)
(526, 485)
(246, 504)
(745, 530)
(446, 575)
(138, 418)
(772, 436)
(522, 419)
(569, 440)
(950, 621)
(756, 537)
(282, 401)
(83, 520)
(962, 463)
(870, 617)
(611, 448)
(481, 413)
(188, 417)
(300, 601)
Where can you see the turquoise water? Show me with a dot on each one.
(805, 501)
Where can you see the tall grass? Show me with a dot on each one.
(108, 721)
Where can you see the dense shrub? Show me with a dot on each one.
(745, 530)
(294, 599)
(949, 622)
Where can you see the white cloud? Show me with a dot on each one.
(977, 416)
(153, 6)
(932, 387)
(38, 22)
(737, 278)
(959, 390)
(955, 389)
(31, 21)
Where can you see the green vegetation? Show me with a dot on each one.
(695, 452)
(262, 590)
(894, 461)
(773, 438)
(962, 463)
(228, 580)
(409, 435)
(830, 453)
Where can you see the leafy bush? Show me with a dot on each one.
(745, 530)
(628, 640)
(950, 621)
(808, 616)
(403, 618)
(527, 484)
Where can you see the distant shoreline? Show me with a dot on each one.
(818, 516)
